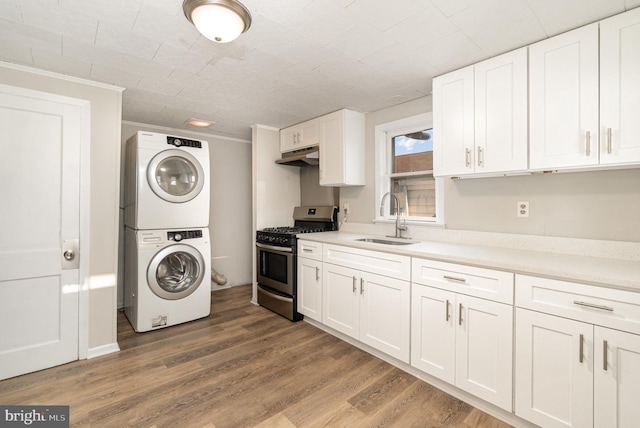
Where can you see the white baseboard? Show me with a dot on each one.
(102, 350)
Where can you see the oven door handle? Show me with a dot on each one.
(274, 248)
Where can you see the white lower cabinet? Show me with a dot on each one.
(310, 288)
(458, 334)
(371, 308)
(572, 368)
(367, 295)
(554, 370)
(465, 341)
(309, 274)
(616, 378)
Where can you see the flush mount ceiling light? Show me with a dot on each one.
(219, 20)
(200, 123)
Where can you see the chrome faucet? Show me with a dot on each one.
(399, 228)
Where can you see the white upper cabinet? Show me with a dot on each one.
(501, 133)
(342, 149)
(620, 88)
(563, 96)
(299, 136)
(569, 126)
(453, 129)
(480, 117)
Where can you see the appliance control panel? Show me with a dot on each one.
(183, 142)
(178, 236)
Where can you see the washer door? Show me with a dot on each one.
(175, 272)
(175, 176)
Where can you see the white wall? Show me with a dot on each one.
(601, 205)
(230, 210)
(106, 107)
(276, 188)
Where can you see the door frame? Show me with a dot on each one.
(85, 202)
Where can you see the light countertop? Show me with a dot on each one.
(607, 272)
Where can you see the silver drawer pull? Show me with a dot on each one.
(591, 305)
(307, 250)
(453, 278)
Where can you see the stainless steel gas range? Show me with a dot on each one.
(276, 258)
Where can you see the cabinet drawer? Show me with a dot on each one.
(310, 250)
(473, 281)
(603, 306)
(392, 265)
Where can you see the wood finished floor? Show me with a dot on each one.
(243, 366)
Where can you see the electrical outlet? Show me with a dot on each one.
(346, 208)
(523, 208)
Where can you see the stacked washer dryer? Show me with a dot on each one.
(166, 215)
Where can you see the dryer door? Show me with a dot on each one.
(175, 272)
(175, 176)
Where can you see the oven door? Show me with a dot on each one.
(275, 268)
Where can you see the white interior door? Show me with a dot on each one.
(40, 212)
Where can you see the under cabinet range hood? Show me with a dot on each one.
(302, 157)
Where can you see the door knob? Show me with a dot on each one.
(69, 255)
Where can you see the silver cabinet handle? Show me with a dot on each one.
(317, 273)
(591, 305)
(447, 315)
(354, 284)
(608, 140)
(604, 355)
(467, 157)
(307, 250)
(361, 286)
(454, 278)
(460, 314)
(581, 347)
(480, 159)
(588, 143)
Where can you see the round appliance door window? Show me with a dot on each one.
(175, 272)
(175, 176)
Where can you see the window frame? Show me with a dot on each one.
(384, 158)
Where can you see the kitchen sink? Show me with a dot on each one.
(385, 241)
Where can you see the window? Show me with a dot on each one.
(405, 168)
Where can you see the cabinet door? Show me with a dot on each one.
(620, 88)
(310, 288)
(453, 129)
(299, 136)
(308, 134)
(554, 386)
(332, 150)
(616, 378)
(288, 139)
(342, 149)
(484, 349)
(501, 103)
(340, 299)
(385, 314)
(563, 79)
(433, 332)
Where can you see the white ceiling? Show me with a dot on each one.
(300, 59)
